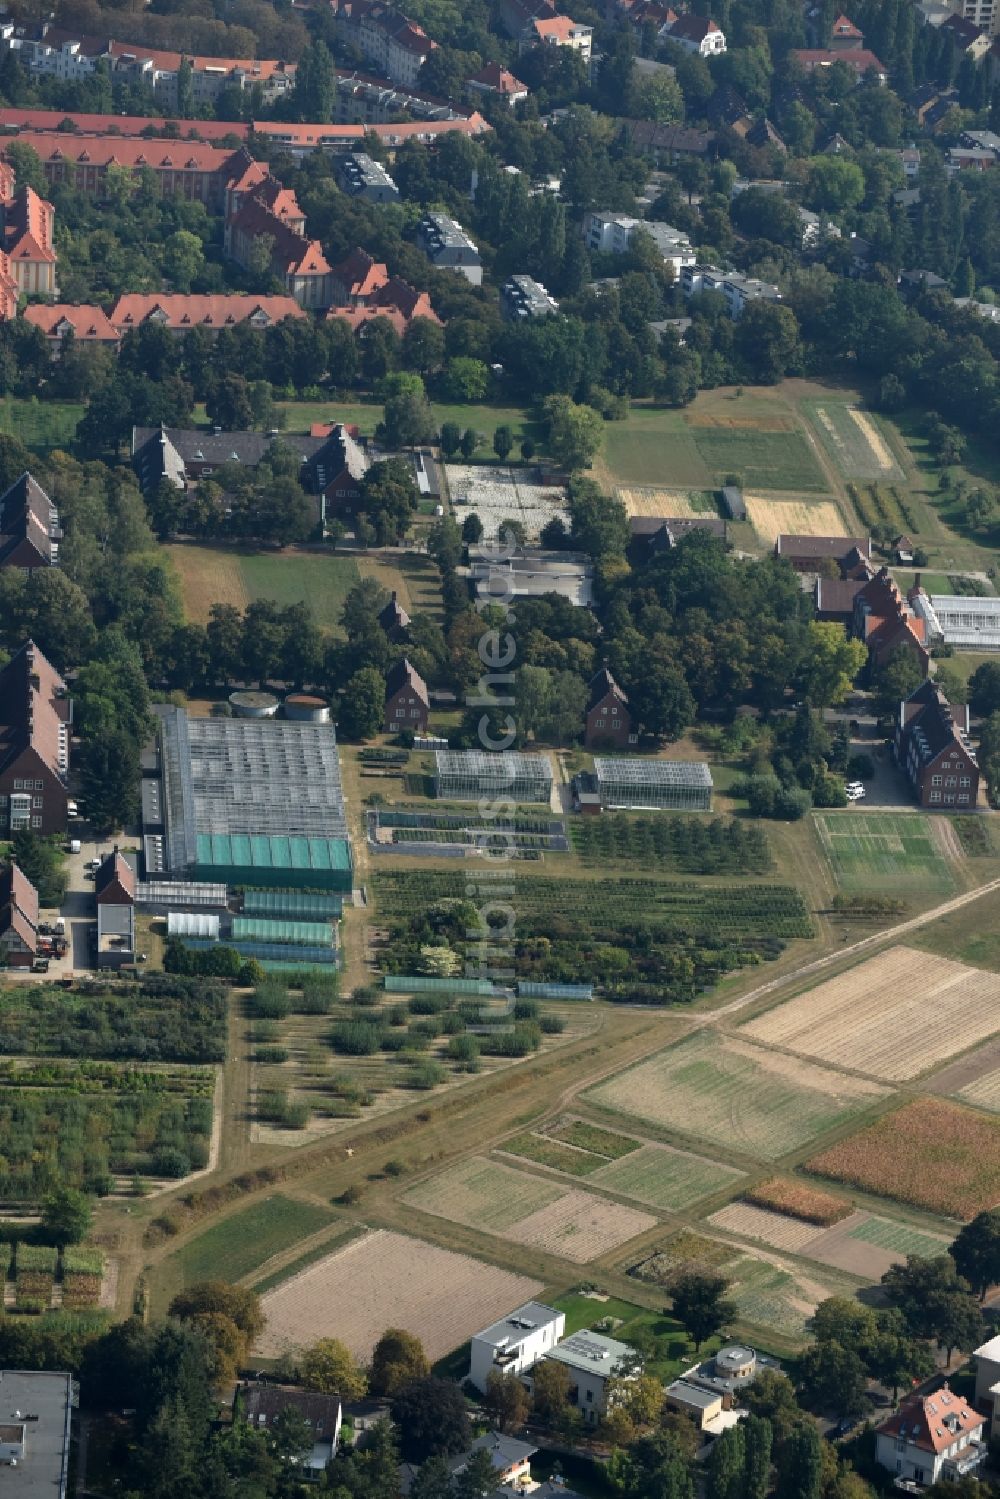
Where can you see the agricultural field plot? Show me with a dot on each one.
(860, 1245)
(236, 1246)
(665, 1178)
(872, 1018)
(772, 518)
(224, 575)
(683, 1251)
(854, 440)
(653, 448)
(750, 1222)
(884, 851)
(929, 1153)
(675, 504)
(389, 1280)
(763, 459)
(514, 1205)
(735, 1095)
(498, 494)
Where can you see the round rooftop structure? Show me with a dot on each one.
(304, 708)
(735, 1360)
(253, 704)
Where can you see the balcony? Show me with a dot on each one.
(965, 1462)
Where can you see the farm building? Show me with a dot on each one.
(18, 917)
(467, 775)
(653, 785)
(515, 1343)
(253, 802)
(114, 891)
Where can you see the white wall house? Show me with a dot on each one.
(737, 289)
(615, 233)
(593, 1361)
(932, 1437)
(515, 1343)
(698, 34)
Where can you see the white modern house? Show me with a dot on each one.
(738, 290)
(614, 234)
(593, 1362)
(515, 1343)
(932, 1437)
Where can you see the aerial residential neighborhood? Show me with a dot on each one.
(500, 750)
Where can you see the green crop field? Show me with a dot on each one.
(854, 439)
(321, 581)
(235, 1246)
(885, 853)
(899, 1238)
(483, 1195)
(762, 459)
(734, 1095)
(653, 447)
(665, 1178)
(546, 1152)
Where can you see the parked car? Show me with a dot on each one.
(40, 965)
(73, 846)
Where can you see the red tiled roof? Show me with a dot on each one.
(101, 151)
(261, 68)
(16, 888)
(842, 26)
(494, 77)
(693, 28)
(28, 224)
(858, 58)
(933, 1422)
(49, 120)
(183, 312)
(90, 324)
(561, 28)
(360, 274)
(291, 251)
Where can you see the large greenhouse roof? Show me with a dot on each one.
(500, 768)
(665, 773)
(270, 929)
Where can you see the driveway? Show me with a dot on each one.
(78, 909)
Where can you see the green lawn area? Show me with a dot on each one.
(40, 424)
(673, 1349)
(314, 578)
(930, 582)
(653, 447)
(300, 415)
(885, 853)
(239, 1244)
(763, 460)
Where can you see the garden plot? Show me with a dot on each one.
(854, 441)
(513, 1205)
(498, 494)
(672, 504)
(873, 1018)
(763, 459)
(885, 853)
(389, 1280)
(770, 1228)
(929, 1153)
(665, 1178)
(772, 518)
(735, 1095)
(862, 1244)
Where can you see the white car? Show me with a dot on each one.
(854, 786)
(855, 796)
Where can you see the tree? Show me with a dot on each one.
(183, 258)
(389, 498)
(41, 861)
(432, 1419)
(832, 1378)
(834, 661)
(66, 1216)
(835, 183)
(935, 1301)
(398, 1359)
(329, 1367)
(507, 1402)
(575, 433)
(450, 438)
(726, 1465)
(757, 1439)
(767, 341)
(407, 418)
(600, 525)
(699, 1304)
(314, 92)
(976, 1250)
(802, 1465)
(895, 679)
(464, 379)
(984, 689)
(503, 441)
(227, 404)
(896, 1359)
(218, 1297)
(659, 695)
(109, 775)
(550, 1386)
(469, 443)
(362, 704)
(472, 528)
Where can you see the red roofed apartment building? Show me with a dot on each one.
(189, 169)
(35, 714)
(57, 320)
(18, 917)
(180, 312)
(362, 289)
(395, 45)
(499, 84)
(858, 59)
(266, 210)
(884, 620)
(535, 23)
(931, 1438)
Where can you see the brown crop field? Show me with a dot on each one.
(652, 500)
(497, 1199)
(796, 1200)
(738, 1096)
(873, 1018)
(388, 1280)
(774, 1229)
(929, 1153)
(773, 518)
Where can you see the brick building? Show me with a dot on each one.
(608, 723)
(407, 703)
(35, 715)
(933, 748)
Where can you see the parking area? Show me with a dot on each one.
(77, 911)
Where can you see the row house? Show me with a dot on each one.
(933, 747)
(35, 716)
(18, 917)
(83, 323)
(182, 311)
(397, 46)
(29, 527)
(616, 234)
(859, 59)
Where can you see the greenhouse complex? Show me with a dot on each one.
(653, 785)
(468, 775)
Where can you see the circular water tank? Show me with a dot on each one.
(253, 704)
(305, 709)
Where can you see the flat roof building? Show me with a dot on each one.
(515, 1343)
(969, 624)
(36, 1412)
(653, 785)
(448, 247)
(253, 802)
(467, 775)
(362, 177)
(523, 297)
(593, 1360)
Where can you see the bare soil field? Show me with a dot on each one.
(929, 1153)
(873, 1018)
(388, 1280)
(869, 1246)
(771, 518)
(973, 1079)
(736, 1095)
(775, 1229)
(497, 1199)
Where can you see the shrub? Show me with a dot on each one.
(271, 1054)
(424, 1075)
(429, 1004)
(171, 1162)
(269, 1001)
(552, 1025)
(356, 1038)
(526, 1009)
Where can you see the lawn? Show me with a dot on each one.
(761, 459)
(738, 1097)
(853, 439)
(300, 416)
(672, 1349)
(41, 424)
(235, 1246)
(302, 577)
(653, 447)
(884, 852)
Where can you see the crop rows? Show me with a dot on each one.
(682, 844)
